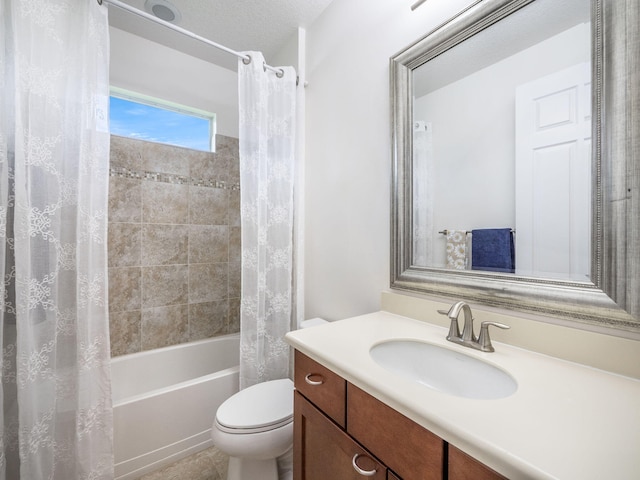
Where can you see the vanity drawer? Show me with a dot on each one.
(321, 387)
(404, 446)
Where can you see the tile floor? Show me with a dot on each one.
(209, 464)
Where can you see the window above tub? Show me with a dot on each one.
(155, 120)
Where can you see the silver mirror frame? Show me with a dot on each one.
(613, 299)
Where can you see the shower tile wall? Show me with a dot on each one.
(174, 244)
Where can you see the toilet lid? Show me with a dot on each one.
(261, 407)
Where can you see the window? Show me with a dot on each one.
(145, 118)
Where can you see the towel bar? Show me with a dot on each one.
(446, 232)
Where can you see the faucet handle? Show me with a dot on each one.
(484, 340)
(454, 330)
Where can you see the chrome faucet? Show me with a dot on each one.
(468, 337)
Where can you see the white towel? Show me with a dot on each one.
(457, 249)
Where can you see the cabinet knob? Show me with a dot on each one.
(366, 473)
(307, 379)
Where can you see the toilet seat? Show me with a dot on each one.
(259, 408)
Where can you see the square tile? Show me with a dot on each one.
(208, 206)
(208, 243)
(125, 330)
(208, 319)
(165, 202)
(165, 285)
(208, 282)
(164, 244)
(125, 240)
(125, 289)
(164, 326)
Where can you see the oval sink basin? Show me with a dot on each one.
(443, 369)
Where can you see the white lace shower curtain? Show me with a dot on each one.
(267, 153)
(423, 170)
(56, 420)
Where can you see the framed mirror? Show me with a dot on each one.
(515, 160)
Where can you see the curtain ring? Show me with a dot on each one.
(264, 66)
(280, 73)
(246, 61)
(99, 2)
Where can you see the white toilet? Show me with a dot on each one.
(255, 427)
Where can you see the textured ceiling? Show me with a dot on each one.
(241, 25)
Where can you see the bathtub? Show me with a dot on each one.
(165, 400)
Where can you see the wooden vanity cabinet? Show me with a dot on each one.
(335, 421)
(464, 467)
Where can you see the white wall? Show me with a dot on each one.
(146, 67)
(348, 167)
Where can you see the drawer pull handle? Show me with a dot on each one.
(366, 473)
(314, 382)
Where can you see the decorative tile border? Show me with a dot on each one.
(123, 172)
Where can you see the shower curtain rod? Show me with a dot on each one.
(245, 58)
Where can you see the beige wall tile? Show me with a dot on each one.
(125, 289)
(160, 158)
(235, 245)
(126, 152)
(228, 148)
(234, 315)
(208, 206)
(208, 244)
(208, 282)
(165, 202)
(164, 326)
(165, 285)
(125, 330)
(208, 166)
(234, 208)
(164, 244)
(208, 319)
(124, 244)
(235, 279)
(125, 199)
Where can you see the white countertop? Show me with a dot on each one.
(566, 421)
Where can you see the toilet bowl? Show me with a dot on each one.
(254, 427)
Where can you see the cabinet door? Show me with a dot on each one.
(321, 451)
(464, 467)
(405, 447)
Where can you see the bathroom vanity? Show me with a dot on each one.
(355, 418)
(340, 431)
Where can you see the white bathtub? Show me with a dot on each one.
(165, 400)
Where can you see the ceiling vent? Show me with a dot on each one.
(164, 10)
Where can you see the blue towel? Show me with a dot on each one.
(492, 249)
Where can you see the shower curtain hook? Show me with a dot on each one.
(280, 73)
(99, 2)
(246, 60)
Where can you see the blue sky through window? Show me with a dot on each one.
(155, 124)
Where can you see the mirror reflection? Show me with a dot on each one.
(502, 148)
